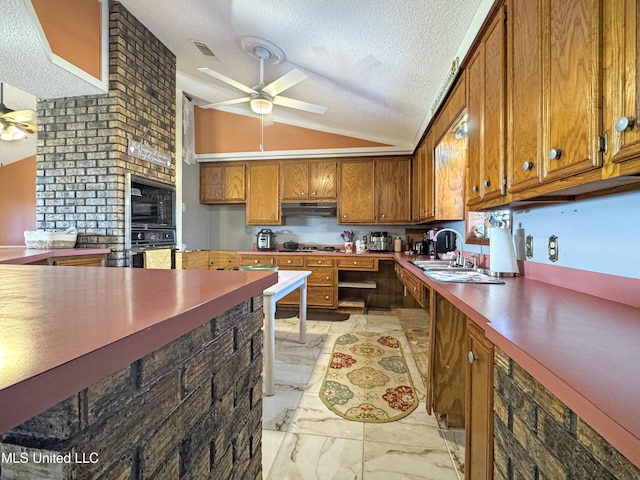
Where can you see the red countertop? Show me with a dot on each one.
(64, 328)
(23, 255)
(583, 348)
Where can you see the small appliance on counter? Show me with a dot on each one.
(380, 242)
(266, 239)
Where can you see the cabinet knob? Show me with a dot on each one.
(327, 278)
(474, 188)
(288, 261)
(555, 153)
(344, 216)
(486, 183)
(383, 216)
(256, 261)
(471, 357)
(319, 262)
(313, 194)
(326, 297)
(302, 194)
(415, 289)
(217, 194)
(625, 123)
(355, 263)
(527, 166)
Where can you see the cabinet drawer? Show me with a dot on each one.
(322, 277)
(414, 286)
(318, 261)
(321, 296)
(290, 261)
(256, 260)
(358, 263)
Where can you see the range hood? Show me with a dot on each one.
(309, 209)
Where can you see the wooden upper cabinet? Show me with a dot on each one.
(422, 205)
(486, 112)
(222, 183)
(450, 157)
(356, 192)
(393, 190)
(621, 85)
(323, 183)
(525, 83)
(571, 88)
(263, 206)
(310, 181)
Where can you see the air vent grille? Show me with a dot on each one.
(204, 49)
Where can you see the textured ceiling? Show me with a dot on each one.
(376, 64)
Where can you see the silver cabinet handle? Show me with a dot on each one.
(625, 123)
(487, 183)
(555, 153)
(527, 166)
(474, 188)
(471, 357)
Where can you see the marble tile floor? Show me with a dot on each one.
(302, 439)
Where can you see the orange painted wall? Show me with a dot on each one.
(73, 30)
(223, 132)
(17, 200)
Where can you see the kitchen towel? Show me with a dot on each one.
(160, 258)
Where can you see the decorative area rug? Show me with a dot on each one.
(368, 379)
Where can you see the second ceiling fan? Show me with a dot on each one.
(261, 97)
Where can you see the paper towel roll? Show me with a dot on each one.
(502, 254)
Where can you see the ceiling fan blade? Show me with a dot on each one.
(227, 102)
(225, 79)
(299, 105)
(286, 81)
(20, 116)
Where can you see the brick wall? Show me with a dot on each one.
(82, 155)
(190, 410)
(537, 437)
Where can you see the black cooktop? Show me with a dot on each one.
(309, 249)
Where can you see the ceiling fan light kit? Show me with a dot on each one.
(15, 124)
(261, 103)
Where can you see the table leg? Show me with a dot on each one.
(303, 312)
(269, 305)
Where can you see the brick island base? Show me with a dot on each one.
(190, 410)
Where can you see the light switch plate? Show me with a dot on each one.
(528, 246)
(553, 248)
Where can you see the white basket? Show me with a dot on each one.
(47, 240)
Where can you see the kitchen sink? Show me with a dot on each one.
(440, 265)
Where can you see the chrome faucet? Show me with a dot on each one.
(460, 257)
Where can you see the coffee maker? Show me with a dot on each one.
(379, 242)
(446, 242)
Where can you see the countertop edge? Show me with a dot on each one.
(35, 255)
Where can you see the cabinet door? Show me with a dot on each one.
(417, 166)
(233, 185)
(525, 89)
(572, 87)
(322, 179)
(621, 84)
(393, 190)
(486, 103)
(356, 204)
(211, 180)
(479, 405)
(295, 181)
(263, 206)
(427, 200)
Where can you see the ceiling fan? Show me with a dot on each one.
(15, 124)
(261, 97)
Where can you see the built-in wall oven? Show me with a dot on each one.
(149, 219)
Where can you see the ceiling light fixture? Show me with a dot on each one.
(261, 103)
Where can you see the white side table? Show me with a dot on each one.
(288, 281)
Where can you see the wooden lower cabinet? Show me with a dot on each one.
(195, 260)
(97, 260)
(479, 405)
(412, 285)
(223, 259)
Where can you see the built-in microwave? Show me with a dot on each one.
(151, 203)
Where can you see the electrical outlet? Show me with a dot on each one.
(528, 246)
(553, 248)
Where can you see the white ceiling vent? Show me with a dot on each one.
(204, 49)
